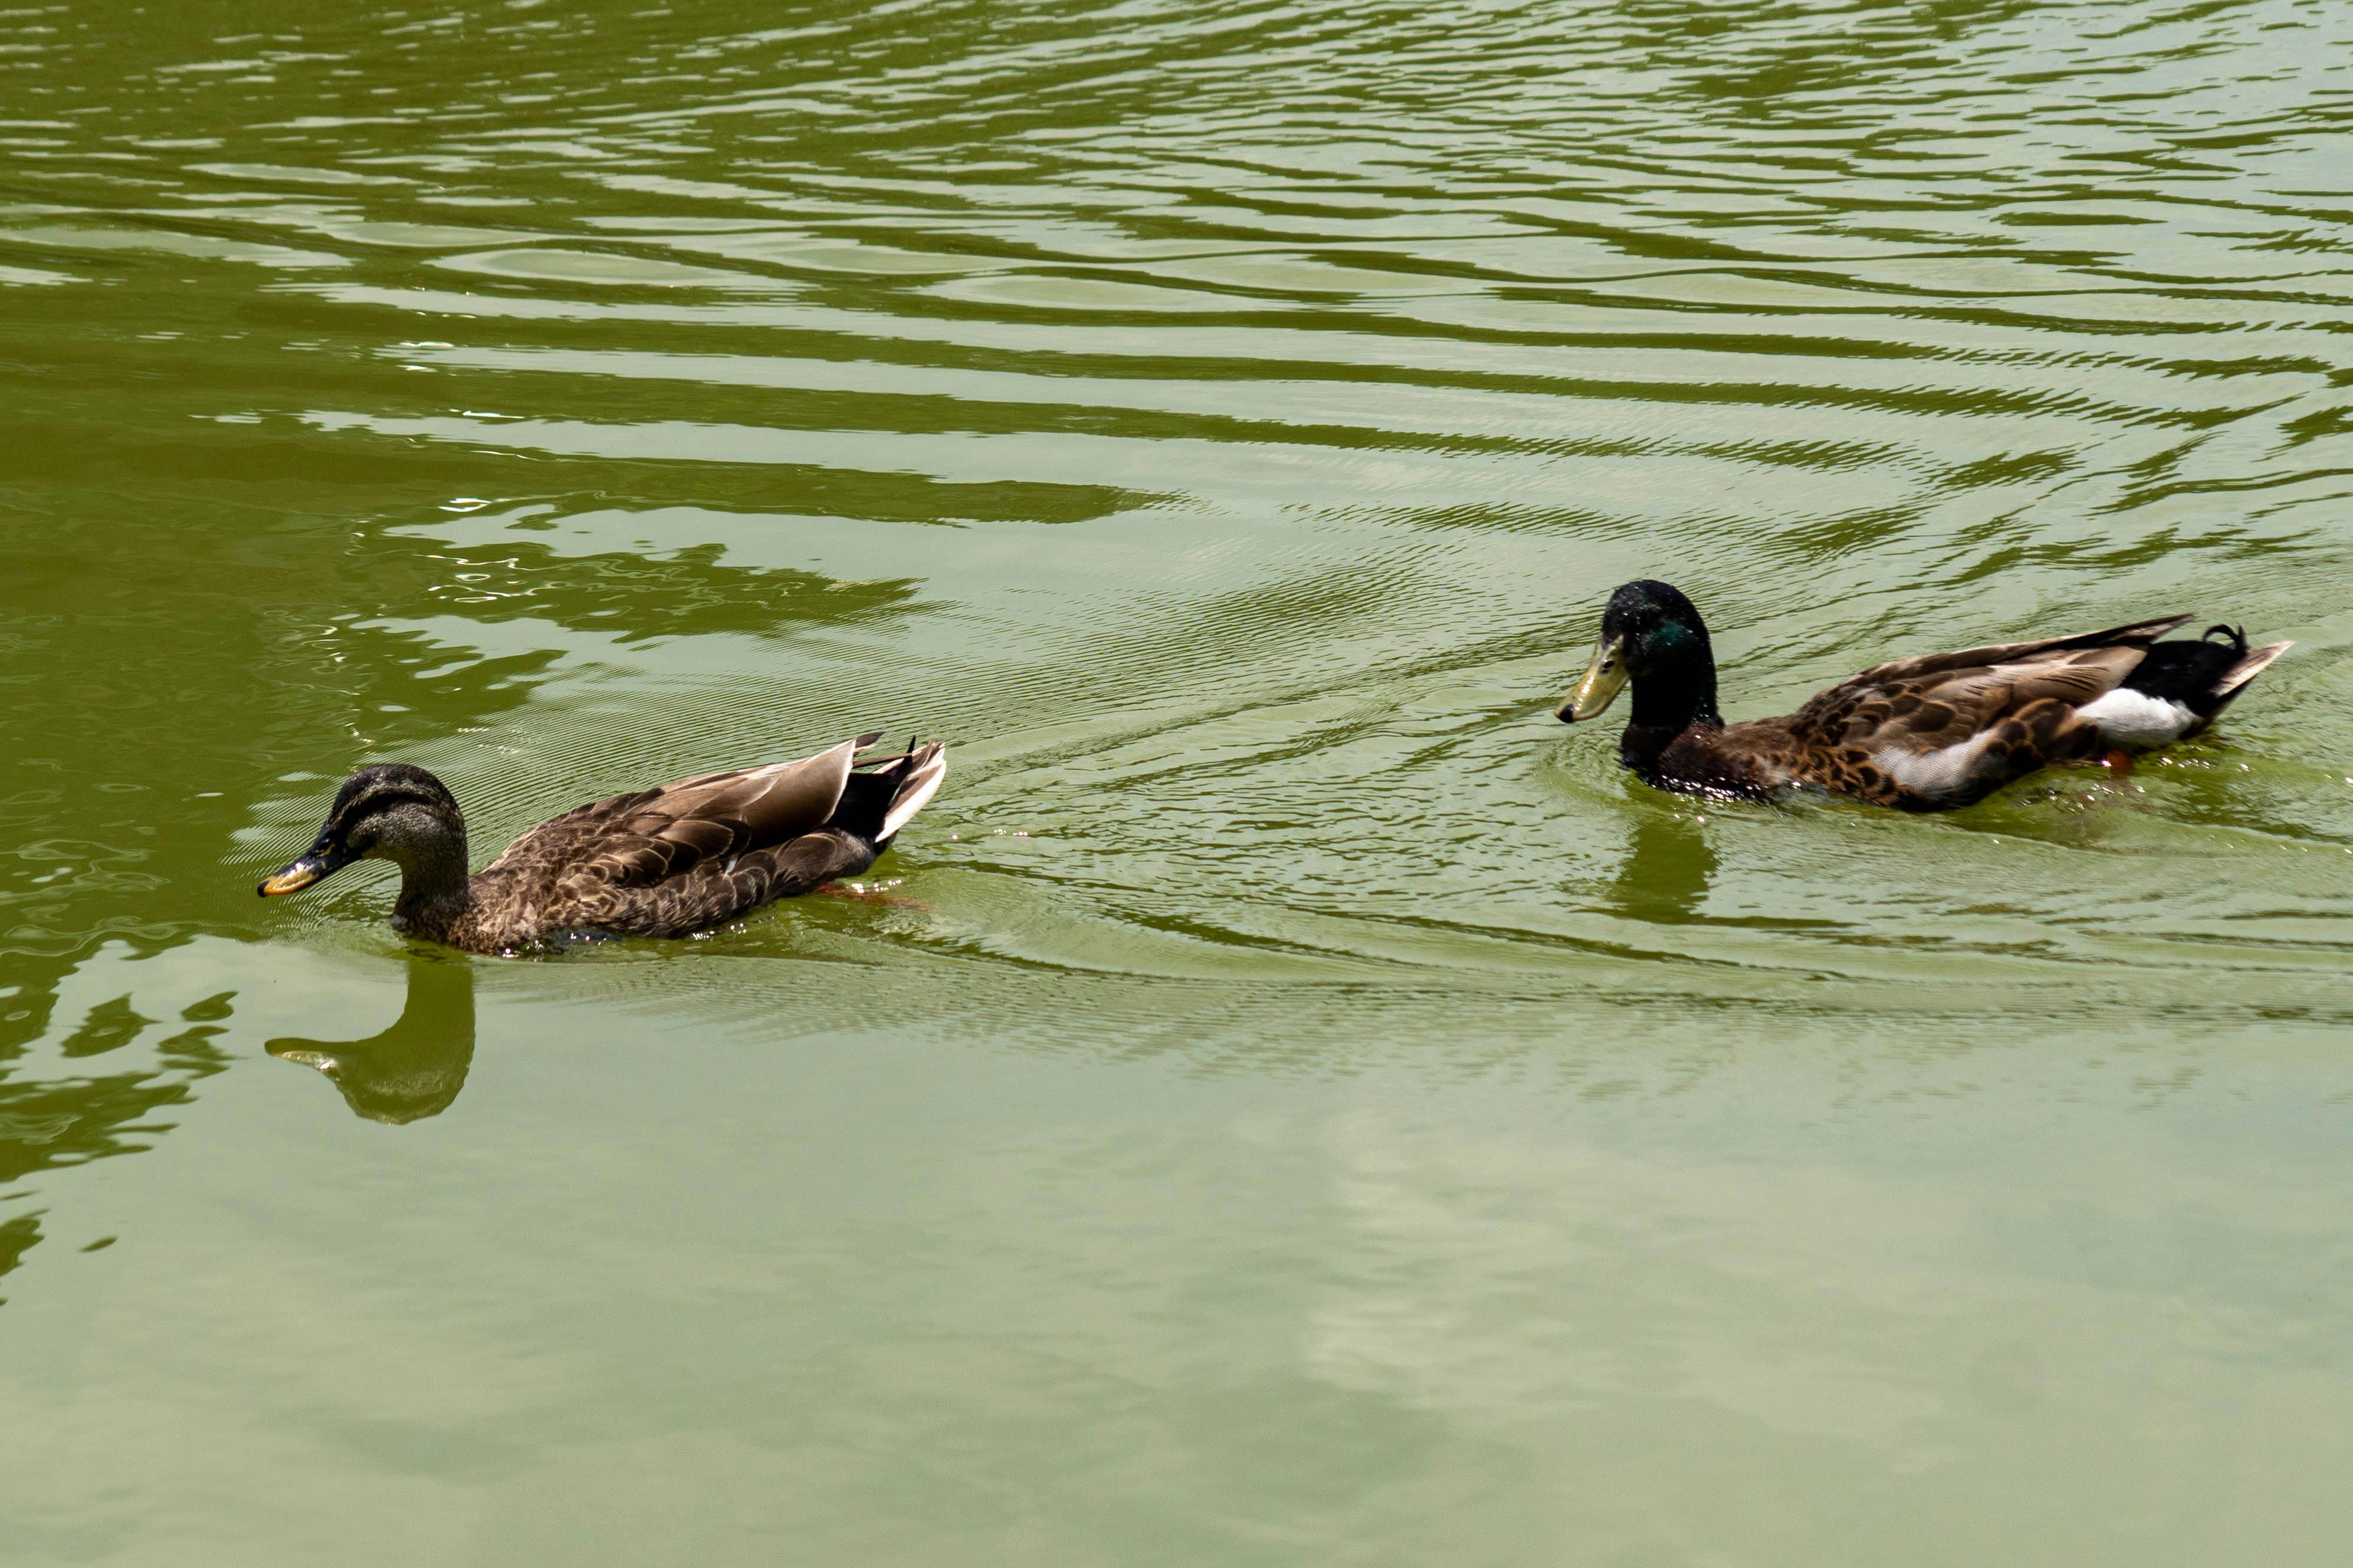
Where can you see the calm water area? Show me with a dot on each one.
(1289, 1100)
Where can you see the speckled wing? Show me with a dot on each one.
(1916, 706)
(655, 836)
(719, 890)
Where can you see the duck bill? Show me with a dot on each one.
(1602, 680)
(320, 860)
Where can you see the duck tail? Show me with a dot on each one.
(2193, 681)
(2250, 664)
(882, 797)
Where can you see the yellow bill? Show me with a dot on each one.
(293, 880)
(1603, 680)
(324, 858)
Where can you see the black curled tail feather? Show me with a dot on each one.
(2205, 675)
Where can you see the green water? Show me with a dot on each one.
(1289, 1100)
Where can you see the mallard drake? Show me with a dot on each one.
(660, 862)
(1927, 733)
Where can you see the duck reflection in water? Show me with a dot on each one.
(1667, 871)
(414, 1068)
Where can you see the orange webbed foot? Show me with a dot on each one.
(870, 896)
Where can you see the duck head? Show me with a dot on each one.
(1652, 638)
(392, 811)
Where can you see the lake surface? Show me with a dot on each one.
(1289, 1100)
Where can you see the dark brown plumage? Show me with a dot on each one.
(1926, 733)
(659, 862)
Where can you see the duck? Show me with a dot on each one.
(664, 862)
(1933, 733)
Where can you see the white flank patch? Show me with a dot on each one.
(1934, 773)
(2136, 719)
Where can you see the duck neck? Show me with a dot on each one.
(1669, 699)
(435, 891)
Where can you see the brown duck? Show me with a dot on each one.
(660, 862)
(1927, 733)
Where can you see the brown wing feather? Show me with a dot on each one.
(2139, 634)
(651, 836)
(1927, 733)
(1924, 704)
(717, 891)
